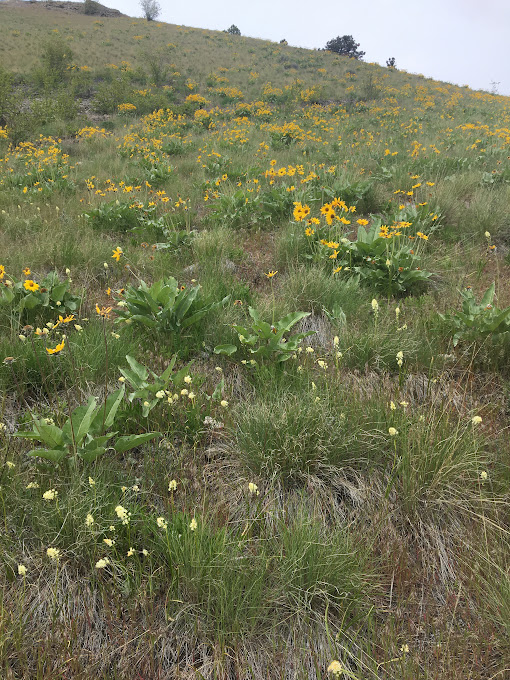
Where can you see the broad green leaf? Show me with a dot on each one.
(489, 295)
(139, 394)
(139, 369)
(89, 456)
(165, 292)
(181, 373)
(82, 427)
(184, 301)
(147, 407)
(362, 234)
(253, 313)
(27, 435)
(30, 301)
(168, 370)
(145, 320)
(186, 323)
(72, 428)
(50, 280)
(291, 319)
(225, 349)
(55, 455)
(216, 395)
(58, 291)
(99, 441)
(150, 301)
(498, 320)
(262, 328)
(51, 435)
(6, 295)
(251, 340)
(131, 441)
(105, 414)
(133, 379)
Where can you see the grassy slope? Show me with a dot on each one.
(388, 553)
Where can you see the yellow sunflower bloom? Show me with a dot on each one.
(57, 349)
(104, 311)
(30, 285)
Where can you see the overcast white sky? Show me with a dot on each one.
(458, 41)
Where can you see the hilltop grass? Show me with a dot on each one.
(341, 495)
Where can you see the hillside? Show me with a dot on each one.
(254, 360)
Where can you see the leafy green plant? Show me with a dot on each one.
(380, 257)
(30, 300)
(388, 264)
(359, 193)
(114, 216)
(84, 436)
(156, 173)
(268, 341)
(43, 178)
(245, 209)
(175, 240)
(150, 387)
(477, 320)
(421, 217)
(110, 94)
(235, 209)
(174, 146)
(496, 177)
(56, 58)
(275, 203)
(165, 306)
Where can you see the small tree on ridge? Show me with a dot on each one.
(346, 46)
(233, 30)
(151, 9)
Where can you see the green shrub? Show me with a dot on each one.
(85, 435)
(477, 320)
(110, 94)
(114, 216)
(90, 7)
(381, 257)
(164, 306)
(56, 57)
(268, 341)
(28, 301)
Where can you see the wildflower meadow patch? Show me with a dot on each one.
(254, 322)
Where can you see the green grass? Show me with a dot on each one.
(320, 532)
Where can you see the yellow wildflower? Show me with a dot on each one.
(57, 349)
(30, 285)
